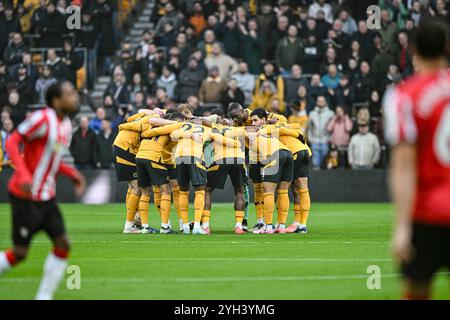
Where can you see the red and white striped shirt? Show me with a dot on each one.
(44, 137)
(418, 112)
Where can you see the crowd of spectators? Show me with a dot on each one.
(315, 61)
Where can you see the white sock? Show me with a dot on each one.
(281, 226)
(169, 224)
(301, 225)
(180, 222)
(197, 225)
(145, 226)
(165, 225)
(296, 223)
(54, 268)
(205, 225)
(4, 263)
(261, 221)
(269, 226)
(128, 224)
(238, 225)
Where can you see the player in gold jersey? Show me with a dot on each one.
(276, 172)
(125, 147)
(227, 161)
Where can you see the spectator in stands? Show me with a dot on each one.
(110, 106)
(96, 123)
(194, 103)
(136, 85)
(24, 85)
(51, 27)
(197, 18)
(263, 97)
(168, 81)
(331, 79)
(340, 127)
(5, 78)
(232, 94)
(348, 23)
(364, 148)
(167, 37)
(212, 87)
(9, 23)
(311, 56)
(226, 64)
(205, 46)
(184, 48)
(363, 83)
(321, 5)
(245, 81)
(343, 95)
(332, 160)
(392, 77)
(292, 82)
(288, 50)
(32, 69)
(298, 115)
(171, 15)
(355, 52)
(375, 108)
(104, 142)
(318, 134)
(102, 13)
(46, 79)
(231, 38)
(252, 46)
(190, 80)
(403, 57)
(270, 75)
(380, 66)
(6, 130)
(59, 69)
(316, 87)
(83, 145)
(118, 88)
(388, 30)
(363, 36)
(302, 100)
(162, 99)
(276, 106)
(276, 35)
(150, 83)
(266, 21)
(72, 60)
(14, 52)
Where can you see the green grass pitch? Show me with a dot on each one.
(328, 263)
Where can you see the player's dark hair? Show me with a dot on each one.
(174, 116)
(430, 40)
(234, 106)
(260, 112)
(219, 112)
(171, 110)
(53, 91)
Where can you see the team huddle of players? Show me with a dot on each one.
(168, 151)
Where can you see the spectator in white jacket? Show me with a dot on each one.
(245, 82)
(321, 5)
(364, 149)
(318, 134)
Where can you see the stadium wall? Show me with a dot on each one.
(325, 186)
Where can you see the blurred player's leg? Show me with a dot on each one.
(239, 207)
(207, 209)
(165, 204)
(199, 205)
(11, 257)
(143, 210)
(184, 206)
(259, 205)
(283, 206)
(157, 198)
(132, 205)
(176, 201)
(54, 268)
(246, 203)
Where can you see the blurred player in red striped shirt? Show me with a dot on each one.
(43, 136)
(417, 116)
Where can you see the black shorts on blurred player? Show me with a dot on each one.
(279, 167)
(301, 164)
(254, 172)
(431, 252)
(172, 171)
(190, 170)
(30, 217)
(125, 164)
(218, 172)
(151, 173)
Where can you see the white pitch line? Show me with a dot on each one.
(299, 242)
(239, 259)
(222, 279)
